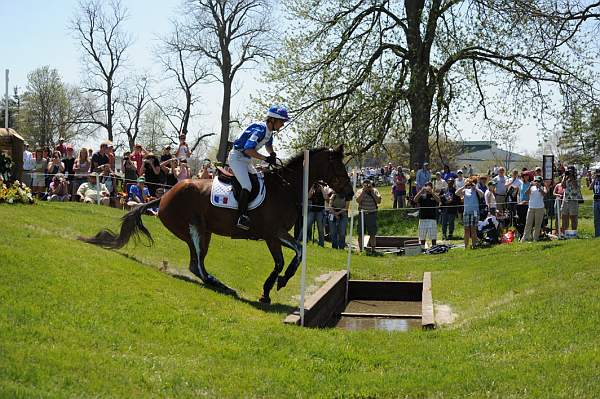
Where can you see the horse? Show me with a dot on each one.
(187, 212)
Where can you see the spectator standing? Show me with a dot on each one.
(61, 147)
(110, 153)
(100, 158)
(428, 202)
(183, 171)
(501, 188)
(490, 198)
(470, 170)
(399, 189)
(338, 220)
(205, 171)
(368, 199)
(138, 158)
(170, 168)
(59, 189)
(595, 187)
(423, 176)
(153, 174)
(459, 182)
(39, 171)
(90, 191)
(316, 211)
(450, 205)
(183, 150)
(536, 209)
(523, 201)
(81, 168)
(439, 184)
(129, 171)
(166, 154)
(571, 198)
(28, 166)
(470, 194)
(69, 162)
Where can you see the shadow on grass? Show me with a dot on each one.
(268, 308)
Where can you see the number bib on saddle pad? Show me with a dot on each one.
(221, 195)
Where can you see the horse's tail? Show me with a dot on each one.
(131, 226)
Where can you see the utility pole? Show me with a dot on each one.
(6, 104)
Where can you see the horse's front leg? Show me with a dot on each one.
(275, 248)
(289, 242)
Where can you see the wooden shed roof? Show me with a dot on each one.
(10, 132)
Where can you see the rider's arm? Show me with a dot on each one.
(252, 153)
(269, 149)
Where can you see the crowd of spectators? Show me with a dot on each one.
(61, 174)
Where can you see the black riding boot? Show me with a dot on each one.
(243, 219)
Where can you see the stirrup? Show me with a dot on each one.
(243, 222)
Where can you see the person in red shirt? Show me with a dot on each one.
(138, 157)
(61, 147)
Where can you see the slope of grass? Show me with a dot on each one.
(80, 321)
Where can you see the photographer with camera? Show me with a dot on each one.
(338, 219)
(471, 196)
(571, 199)
(59, 189)
(317, 196)
(595, 187)
(368, 198)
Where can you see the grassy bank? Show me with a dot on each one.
(79, 321)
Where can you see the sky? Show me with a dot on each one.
(36, 34)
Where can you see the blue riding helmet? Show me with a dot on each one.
(278, 112)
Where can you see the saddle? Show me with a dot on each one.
(227, 177)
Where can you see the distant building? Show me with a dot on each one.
(483, 155)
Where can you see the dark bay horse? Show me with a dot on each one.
(187, 212)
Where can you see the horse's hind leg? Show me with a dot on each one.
(200, 240)
(275, 248)
(289, 242)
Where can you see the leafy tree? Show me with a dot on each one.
(580, 138)
(50, 109)
(355, 70)
(152, 129)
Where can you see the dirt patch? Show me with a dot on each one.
(444, 314)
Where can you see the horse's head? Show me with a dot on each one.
(328, 165)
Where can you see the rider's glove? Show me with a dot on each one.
(271, 159)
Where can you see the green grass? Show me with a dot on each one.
(80, 321)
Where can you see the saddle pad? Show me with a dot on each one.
(221, 195)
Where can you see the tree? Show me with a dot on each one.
(230, 34)
(580, 138)
(14, 104)
(49, 108)
(135, 98)
(188, 68)
(104, 44)
(370, 66)
(152, 132)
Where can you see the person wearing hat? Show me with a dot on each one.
(595, 187)
(439, 184)
(138, 193)
(245, 147)
(423, 176)
(92, 191)
(59, 189)
(536, 209)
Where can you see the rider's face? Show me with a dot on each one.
(278, 124)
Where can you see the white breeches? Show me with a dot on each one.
(241, 166)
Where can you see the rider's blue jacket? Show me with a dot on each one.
(256, 136)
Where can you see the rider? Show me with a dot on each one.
(246, 147)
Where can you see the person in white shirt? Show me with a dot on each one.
(28, 166)
(439, 184)
(501, 188)
(535, 213)
(459, 182)
(490, 198)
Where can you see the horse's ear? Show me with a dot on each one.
(340, 149)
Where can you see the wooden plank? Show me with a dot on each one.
(428, 319)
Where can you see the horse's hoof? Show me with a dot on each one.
(281, 282)
(264, 299)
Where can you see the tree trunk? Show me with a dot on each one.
(420, 112)
(109, 115)
(225, 115)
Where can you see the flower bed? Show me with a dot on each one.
(17, 193)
